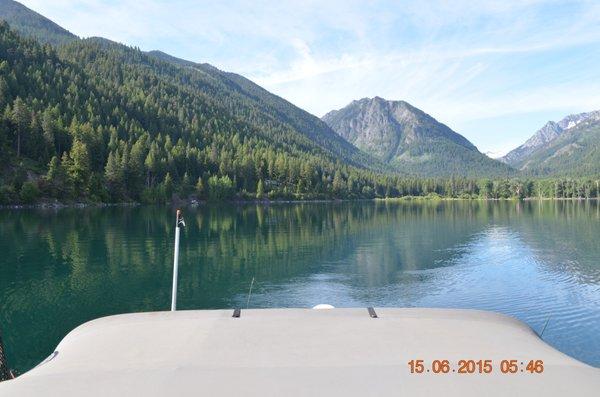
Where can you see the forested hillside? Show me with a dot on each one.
(96, 121)
(242, 95)
(576, 152)
(31, 24)
(106, 122)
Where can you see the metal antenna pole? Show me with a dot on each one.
(178, 222)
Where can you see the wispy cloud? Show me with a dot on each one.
(459, 61)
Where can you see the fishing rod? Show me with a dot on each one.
(250, 293)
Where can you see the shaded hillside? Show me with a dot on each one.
(31, 24)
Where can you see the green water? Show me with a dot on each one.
(532, 260)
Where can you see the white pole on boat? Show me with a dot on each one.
(178, 222)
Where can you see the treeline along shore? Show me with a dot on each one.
(223, 188)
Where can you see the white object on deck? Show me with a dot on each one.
(300, 352)
(323, 306)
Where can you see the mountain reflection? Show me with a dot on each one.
(61, 268)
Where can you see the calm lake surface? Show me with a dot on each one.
(530, 260)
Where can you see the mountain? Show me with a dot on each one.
(411, 140)
(99, 121)
(542, 138)
(229, 88)
(572, 148)
(31, 24)
(231, 85)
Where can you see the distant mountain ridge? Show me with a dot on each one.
(31, 24)
(542, 138)
(410, 139)
(570, 147)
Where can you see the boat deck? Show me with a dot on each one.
(300, 352)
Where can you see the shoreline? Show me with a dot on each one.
(195, 203)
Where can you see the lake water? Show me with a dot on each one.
(530, 260)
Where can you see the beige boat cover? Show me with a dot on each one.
(301, 352)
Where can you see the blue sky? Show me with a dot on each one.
(494, 71)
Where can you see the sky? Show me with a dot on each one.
(494, 71)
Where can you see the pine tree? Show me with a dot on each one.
(48, 128)
(200, 187)
(338, 183)
(79, 168)
(186, 186)
(167, 187)
(21, 117)
(260, 189)
(56, 178)
(151, 164)
(113, 176)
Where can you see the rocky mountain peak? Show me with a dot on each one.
(403, 135)
(547, 134)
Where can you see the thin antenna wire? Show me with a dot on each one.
(545, 325)
(250, 293)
